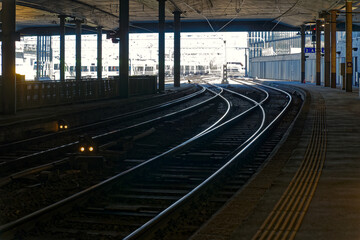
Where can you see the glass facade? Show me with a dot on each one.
(273, 43)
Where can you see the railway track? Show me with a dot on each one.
(30, 152)
(64, 178)
(136, 200)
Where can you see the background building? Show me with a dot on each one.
(276, 55)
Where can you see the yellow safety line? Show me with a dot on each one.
(284, 199)
(286, 217)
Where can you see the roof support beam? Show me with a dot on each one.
(124, 48)
(99, 53)
(349, 63)
(62, 48)
(177, 48)
(78, 50)
(161, 45)
(302, 32)
(318, 52)
(327, 51)
(333, 49)
(8, 57)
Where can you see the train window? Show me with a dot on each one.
(56, 66)
(84, 68)
(113, 68)
(93, 68)
(72, 68)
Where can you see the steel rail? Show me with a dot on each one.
(262, 121)
(220, 119)
(106, 120)
(101, 137)
(6, 228)
(137, 234)
(174, 113)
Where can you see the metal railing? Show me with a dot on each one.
(47, 93)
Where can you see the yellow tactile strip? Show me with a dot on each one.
(285, 219)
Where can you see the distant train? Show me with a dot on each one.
(111, 69)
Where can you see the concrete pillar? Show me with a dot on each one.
(8, 57)
(124, 48)
(38, 57)
(302, 32)
(318, 52)
(349, 64)
(78, 50)
(327, 50)
(177, 47)
(62, 48)
(99, 53)
(246, 62)
(333, 49)
(161, 45)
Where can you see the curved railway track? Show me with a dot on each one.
(58, 175)
(29, 152)
(235, 165)
(135, 202)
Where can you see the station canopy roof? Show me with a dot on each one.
(42, 16)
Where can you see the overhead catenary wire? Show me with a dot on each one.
(281, 15)
(334, 4)
(275, 25)
(291, 8)
(237, 13)
(198, 12)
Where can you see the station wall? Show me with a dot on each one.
(287, 67)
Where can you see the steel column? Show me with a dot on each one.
(318, 52)
(8, 57)
(38, 47)
(302, 32)
(349, 64)
(99, 53)
(327, 51)
(124, 48)
(78, 50)
(62, 48)
(333, 49)
(177, 47)
(246, 62)
(161, 45)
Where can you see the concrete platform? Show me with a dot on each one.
(310, 189)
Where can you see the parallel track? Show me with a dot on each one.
(62, 169)
(171, 179)
(30, 152)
